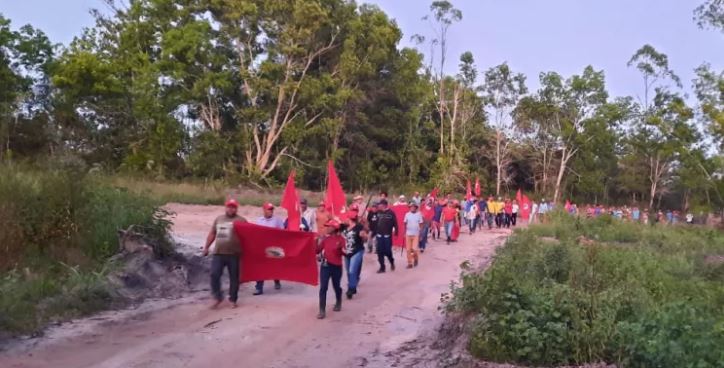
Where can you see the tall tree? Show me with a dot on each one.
(502, 90)
(710, 14)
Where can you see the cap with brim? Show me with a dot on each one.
(358, 197)
(232, 203)
(332, 223)
(268, 206)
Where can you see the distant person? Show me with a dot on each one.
(669, 217)
(322, 216)
(508, 213)
(690, 218)
(482, 211)
(401, 201)
(533, 213)
(309, 215)
(358, 204)
(450, 219)
(472, 216)
(372, 226)
(226, 253)
(427, 211)
(413, 224)
(386, 228)
(355, 236)
(543, 209)
(635, 214)
(330, 249)
(416, 198)
(268, 220)
(437, 218)
(515, 208)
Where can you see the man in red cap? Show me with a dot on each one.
(268, 220)
(331, 250)
(225, 254)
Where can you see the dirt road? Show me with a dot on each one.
(278, 329)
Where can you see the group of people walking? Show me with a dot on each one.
(343, 239)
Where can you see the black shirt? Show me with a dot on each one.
(372, 221)
(386, 222)
(354, 240)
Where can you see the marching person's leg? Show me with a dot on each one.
(388, 252)
(423, 236)
(324, 276)
(415, 250)
(277, 284)
(233, 265)
(217, 269)
(336, 273)
(259, 289)
(380, 253)
(408, 247)
(354, 266)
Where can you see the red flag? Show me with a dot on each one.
(469, 192)
(477, 187)
(290, 202)
(275, 254)
(525, 208)
(400, 211)
(335, 199)
(519, 197)
(434, 192)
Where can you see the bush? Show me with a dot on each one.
(57, 229)
(639, 296)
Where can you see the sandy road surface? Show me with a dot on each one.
(278, 329)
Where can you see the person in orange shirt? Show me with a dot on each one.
(449, 219)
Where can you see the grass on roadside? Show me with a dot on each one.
(628, 294)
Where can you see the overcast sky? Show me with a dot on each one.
(531, 35)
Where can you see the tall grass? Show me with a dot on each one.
(57, 228)
(636, 296)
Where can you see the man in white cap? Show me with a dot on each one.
(269, 220)
(401, 201)
(226, 253)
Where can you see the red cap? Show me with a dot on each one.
(268, 206)
(232, 203)
(354, 207)
(333, 224)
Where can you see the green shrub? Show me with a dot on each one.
(57, 229)
(639, 296)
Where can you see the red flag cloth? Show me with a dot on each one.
(519, 197)
(400, 211)
(455, 232)
(335, 199)
(275, 254)
(469, 192)
(568, 206)
(434, 192)
(477, 187)
(525, 208)
(290, 202)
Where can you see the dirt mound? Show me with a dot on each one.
(140, 273)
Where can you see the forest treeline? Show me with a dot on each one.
(245, 90)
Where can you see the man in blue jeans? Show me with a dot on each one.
(355, 236)
(226, 253)
(268, 220)
(386, 226)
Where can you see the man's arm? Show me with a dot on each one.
(394, 223)
(209, 239)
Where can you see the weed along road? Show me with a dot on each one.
(277, 329)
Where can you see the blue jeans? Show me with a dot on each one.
(353, 265)
(325, 274)
(231, 263)
(384, 249)
(449, 229)
(423, 235)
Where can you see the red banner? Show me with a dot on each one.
(477, 187)
(290, 202)
(400, 211)
(468, 192)
(334, 200)
(525, 207)
(274, 254)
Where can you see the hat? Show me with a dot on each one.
(402, 196)
(303, 201)
(383, 201)
(333, 224)
(232, 203)
(358, 197)
(268, 206)
(413, 204)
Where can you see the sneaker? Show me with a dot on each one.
(422, 251)
(409, 266)
(321, 314)
(258, 292)
(234, 305)
(381, 270)
(337, 307)
(392, 267)
(349, 294)
(277, 285)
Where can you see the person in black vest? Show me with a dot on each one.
(385, 229)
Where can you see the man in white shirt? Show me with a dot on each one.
(269, 220)
(413, 222)
(309, 215)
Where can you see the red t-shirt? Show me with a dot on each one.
(427, 213)
(508, 208)
(449, 214)
(332, 247)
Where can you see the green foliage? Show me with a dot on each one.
(59, 226)
(638, 296)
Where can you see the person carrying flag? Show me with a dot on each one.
(355, 236)
(268, 220)
(386, 227)
(330, 249)
(226, 253)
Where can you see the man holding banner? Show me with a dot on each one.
(268, 220)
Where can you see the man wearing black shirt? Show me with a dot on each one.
(355, 236)
(386, 225)
(372, 225)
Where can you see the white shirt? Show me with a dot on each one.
(473, 212)
(515, 208)
(412, 223)
(310, 215)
